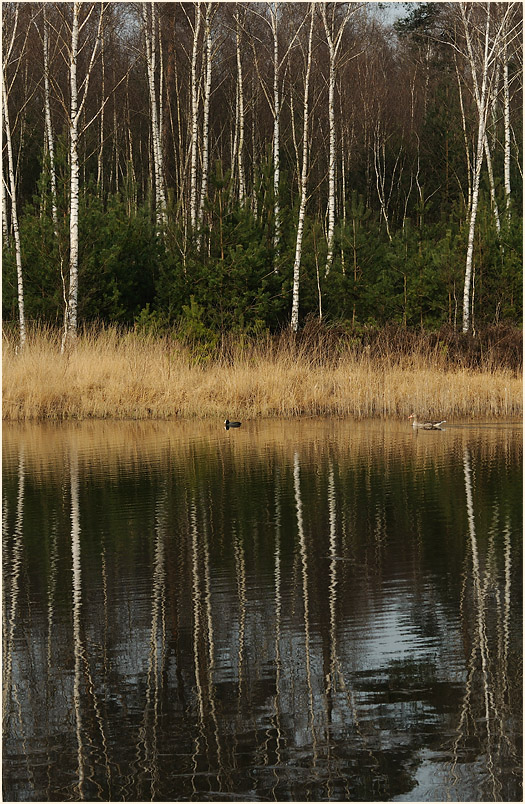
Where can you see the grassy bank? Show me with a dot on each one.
(128, 375)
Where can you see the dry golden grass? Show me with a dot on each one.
(130, 376)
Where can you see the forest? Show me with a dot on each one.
(248, 167)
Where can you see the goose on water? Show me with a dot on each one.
(229, 424)
(426, 425)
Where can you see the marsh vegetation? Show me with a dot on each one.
(320, 372)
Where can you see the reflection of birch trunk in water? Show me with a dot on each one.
(211, 655)
(506, 610)
(78, 649)
(276, 718)
(480, 640)
(51, 591)
(278, 609)
(151, 711)
(14, 574)
(196, 598)
(82, 668)
(502, 694)
(306, 600)
(5, 540)
(331, 675)
(241, 591)
(494, 669)
(53, 559)
(333, 582)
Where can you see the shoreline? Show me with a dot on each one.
(125, 376)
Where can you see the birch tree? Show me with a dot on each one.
(5, 228)
(274, 99)
(76, 107)
(149, 24)
(48, 124)
(276, 131)
(240, 110)
(486, 145)
(194, 116)
(482, 47)
(12, 186)
(512, 31)
(206, 111)
(334, 39)
(506, 124)
(304, 179)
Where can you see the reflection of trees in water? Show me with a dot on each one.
(12, 577)
(491, 689)
(210, 646)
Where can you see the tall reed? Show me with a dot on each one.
(129, 375)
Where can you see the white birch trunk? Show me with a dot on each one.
(240, 101)
(343, 194)
(506, 123)
(304, 177)
(482, 111)
(206, 113)
(465, 139)
(492, 186)
(70, 318)
(76, 107)
(276, 135)
(334, 43)
(150, 37)
(331, 161)
(478, 160)
(158, 38)
(14, 217)
(295, 145)
(5, 229)
(49, 127)
(100, 155)
(380, 171)
(194, 118)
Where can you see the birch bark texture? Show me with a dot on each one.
(240, 109)
(194, 122)
(14, 217)
(206, 111)
(75, 111)
(276, 133)
(12, 189)
(334, 38)
(48, 123)
(294, 322)
(149, 24)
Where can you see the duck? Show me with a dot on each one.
(426, 425)
(229, 424)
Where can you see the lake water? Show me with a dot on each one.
(294, 610)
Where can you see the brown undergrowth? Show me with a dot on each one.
(322, 372)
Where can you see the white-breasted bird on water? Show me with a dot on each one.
(426, 424)
(229, 424)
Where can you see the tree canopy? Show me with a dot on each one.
(180, 220)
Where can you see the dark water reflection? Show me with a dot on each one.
(289, 611)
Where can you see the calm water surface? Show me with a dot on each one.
(300, 610)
